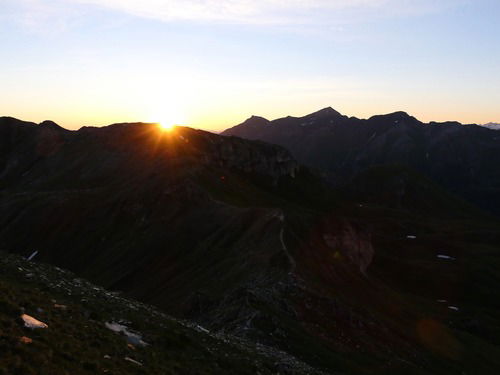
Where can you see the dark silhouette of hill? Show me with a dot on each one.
(460, 158)
(237, 236)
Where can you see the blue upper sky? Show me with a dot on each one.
(212, 63)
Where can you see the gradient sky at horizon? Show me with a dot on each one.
(212, 63)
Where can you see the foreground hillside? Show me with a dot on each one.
(460, 158)
(93, 331)
(236, 236)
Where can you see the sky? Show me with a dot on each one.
(213, 63)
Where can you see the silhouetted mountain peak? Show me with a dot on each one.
(51, 125)
(254, 123)
(6, 120)
(256, 120)
(48, 123)
(395, 117)
(325, 112)
(445, 123)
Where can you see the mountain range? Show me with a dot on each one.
(460, 158)
(492, 125)
(367, 248)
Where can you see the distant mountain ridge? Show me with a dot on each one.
(458, 157)
(492, 125)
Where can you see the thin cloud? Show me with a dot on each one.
(41, 16)
(48, 16)
(263, 11)
(247, 11)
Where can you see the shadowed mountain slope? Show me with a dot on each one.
(237, 236)
(460, 158)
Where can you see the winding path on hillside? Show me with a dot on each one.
(281, 217)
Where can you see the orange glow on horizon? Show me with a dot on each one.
(168, 118)
(165, 126)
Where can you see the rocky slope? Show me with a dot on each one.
(460, 158)
(88, 330)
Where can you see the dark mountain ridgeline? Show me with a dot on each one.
(236, 235)
(460, 158)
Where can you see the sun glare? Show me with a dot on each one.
(166, 126)
(168, 120)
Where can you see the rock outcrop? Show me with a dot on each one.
(345, 240)
(253, 157)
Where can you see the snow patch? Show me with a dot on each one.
(411, 237)
(311, 122)
(132, 337)
(32, 255)
(454, 308)
(442, 256)
(128, 359)
(202, 329)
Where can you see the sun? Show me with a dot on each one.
(169, 119)
(166, 126)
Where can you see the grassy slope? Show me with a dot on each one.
(77, 342)
(398, 296)
(415, 279)
(404, 283)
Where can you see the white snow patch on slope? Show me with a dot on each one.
(447, 257)
(32, 255)
(132, 337)
(128, 359)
